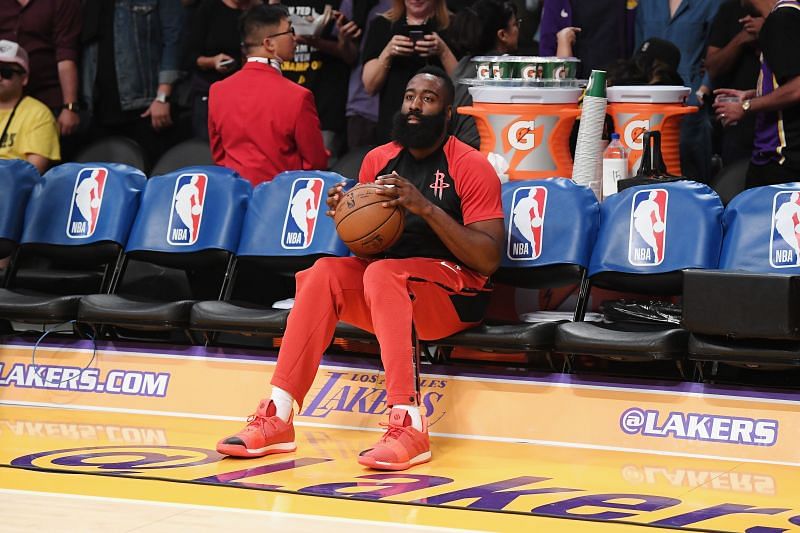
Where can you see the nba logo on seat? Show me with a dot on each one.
(784, 245)
(301, 213)
(527, 223)
(186, 212)
(87, 199)
(648, 227)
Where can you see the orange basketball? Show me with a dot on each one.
(365, 226)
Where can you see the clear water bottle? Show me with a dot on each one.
(615, 165)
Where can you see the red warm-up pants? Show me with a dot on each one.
(382, 297)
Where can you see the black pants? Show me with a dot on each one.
(770, 174)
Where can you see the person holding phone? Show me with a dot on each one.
(406, 38)
(213, 52)
(486, 28)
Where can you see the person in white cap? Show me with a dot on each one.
(29, 130)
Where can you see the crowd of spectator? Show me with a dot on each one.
(151, 69)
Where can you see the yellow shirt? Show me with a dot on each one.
(33, 130)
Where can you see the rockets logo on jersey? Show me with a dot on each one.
(526, 224)
(87, 199)
(186, 212)
(784, 244)
(648, 227)
(302, 211)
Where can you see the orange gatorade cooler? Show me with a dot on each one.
(525, 130)
(636, 109)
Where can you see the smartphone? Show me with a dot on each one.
(226, 62)
(416, 35)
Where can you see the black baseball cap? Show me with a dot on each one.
(655, 48)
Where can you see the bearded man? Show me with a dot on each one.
(433, 282)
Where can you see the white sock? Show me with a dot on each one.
(413, 412)
(283, 403)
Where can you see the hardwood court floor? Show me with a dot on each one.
(77, 470)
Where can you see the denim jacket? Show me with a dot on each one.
(147, 50)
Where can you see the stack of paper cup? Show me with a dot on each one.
(588, 155)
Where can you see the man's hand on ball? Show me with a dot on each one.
(335, 194)
(403, 193)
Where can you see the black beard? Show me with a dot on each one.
(423, 134)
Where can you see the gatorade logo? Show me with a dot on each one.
(634, 133)
(520, 135)
(532, 72)
(484, 72)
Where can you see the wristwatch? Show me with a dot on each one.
(746, 106)
(161, 97)
(72, 106)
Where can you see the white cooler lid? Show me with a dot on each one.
(525, 95)
(648, 94)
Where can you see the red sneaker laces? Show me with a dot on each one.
(393, 431)
(257, 421)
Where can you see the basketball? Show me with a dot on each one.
(658, 227)
(365, 226)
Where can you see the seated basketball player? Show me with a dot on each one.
(435, 277)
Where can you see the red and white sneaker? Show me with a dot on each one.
(264, 434)
(401, 447)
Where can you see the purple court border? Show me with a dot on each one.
(454, 370)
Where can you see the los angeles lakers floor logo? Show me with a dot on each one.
(118, 459)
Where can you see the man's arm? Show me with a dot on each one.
(478, 245)
(171, 16)
(308, 136)
(66, 33)
(40, 162)
(68, 120)
(720, 61)
(786, 95)
(214, 138)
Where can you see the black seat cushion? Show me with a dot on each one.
(744, 352)
(508, 337)
(134, 313)
(59, 281)
(622, 341)
(239, 318)
(351, 332)
(30, 306)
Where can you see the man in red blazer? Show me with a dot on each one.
(260, 123)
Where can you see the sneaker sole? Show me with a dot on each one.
(240, 451)
(373, 463)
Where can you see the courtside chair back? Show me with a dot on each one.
(189, 220)
(649, 235)
(746, 313)
(286, 230)
(17, 179)
(77, 221)
(550, 229)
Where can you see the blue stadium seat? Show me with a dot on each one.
(551, 227)
(17, 179)
(76, 224)
(745, 314)
(190, 220)
(272, 244)
(649, 235)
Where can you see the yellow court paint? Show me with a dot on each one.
(681, 419)
(143, 456)
(512, 449)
